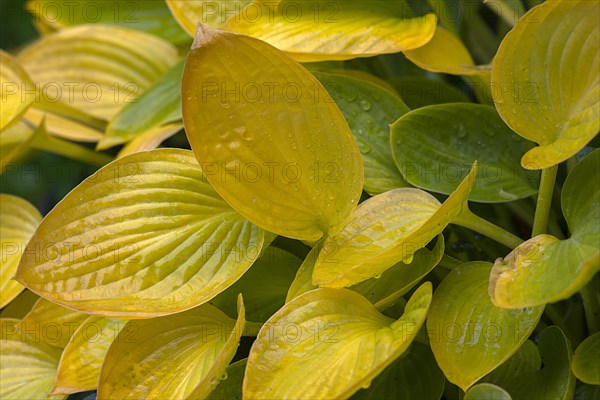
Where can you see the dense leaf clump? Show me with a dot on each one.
(302, 200)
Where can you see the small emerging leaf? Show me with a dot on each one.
(487, 391)
(328, 343)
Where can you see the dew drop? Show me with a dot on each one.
(365, 104)
(234, 145)
(225, 105)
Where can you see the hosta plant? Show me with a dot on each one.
(301, 200)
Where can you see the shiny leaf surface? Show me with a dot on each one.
(338, 344)
(144, 236)
(273, 144)
(548, 72)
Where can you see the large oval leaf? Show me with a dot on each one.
(445, 53)
(16, 90)
(145, 15)
(18, 220)
(179, 356)
(547, 78)
(144, 236)
(470, 336)
(328, 343)
(586, 363)
(434, 146)
(97, 69)
(314, 30)
(384, 230)
(82, 358)
(545, 269)
(268, 136)
(369, 111)
(27, 366)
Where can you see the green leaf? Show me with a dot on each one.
(369, 110)
(96, 69)
(18, 220)
(264, 286)
(144, 236)
(328, 343)
(314, 30)
(414, 376)
(587, 392)
(27, 366)
(145, 15)
(16, 90)
(586, 360)
(230, 388)
(545, 269)
(82, 358)
(384, 230)
(435, 146)
(157, 106)
(548, 84)
(302, 282)
(417, 91)
(178, 356)
(486, 391)
(268, 136)
(554, 380)
(470, 336)
(52, 323)
(525, 361)
(445, 53)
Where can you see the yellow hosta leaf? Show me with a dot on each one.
(18, 220)
(384, 230)
(547, 78)
(27, 366)
(52, 323)
(445, 53)
(269, 137)
(181, 356)
(97, 69)
(82, 358)
(545, 269)
(327, 344)
(314, 30)
(16, 87)
(144, 236)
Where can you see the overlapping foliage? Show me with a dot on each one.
(312, 199)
